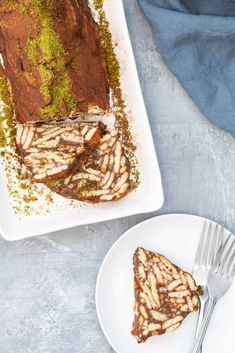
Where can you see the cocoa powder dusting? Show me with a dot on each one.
(53, 50)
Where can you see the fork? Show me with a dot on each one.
(208, 247)
(219, 281)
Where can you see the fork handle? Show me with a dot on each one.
(203, 302)
(204, 326)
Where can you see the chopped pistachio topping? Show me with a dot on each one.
(48, 56)
(6, 113)
(22, 8)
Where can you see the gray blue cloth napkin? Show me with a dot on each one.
(196, 39)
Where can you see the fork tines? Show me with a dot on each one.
(210, 243)
(225, 262)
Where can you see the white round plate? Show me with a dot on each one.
(175, 236)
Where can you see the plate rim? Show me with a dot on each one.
(123, 236)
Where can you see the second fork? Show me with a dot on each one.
(209, 245)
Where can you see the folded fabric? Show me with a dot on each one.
(196, 39)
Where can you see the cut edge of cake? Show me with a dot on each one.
(55, 150)
(106, 175)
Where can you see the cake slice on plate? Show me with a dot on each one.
(164, 295)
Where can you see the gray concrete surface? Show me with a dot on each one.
(47, 284)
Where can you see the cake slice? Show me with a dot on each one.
(55, 150)
(104, 177)
(164, 295)
(52, 56)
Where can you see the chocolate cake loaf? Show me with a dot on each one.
(52, 57)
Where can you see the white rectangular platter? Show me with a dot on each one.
(149, 195)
